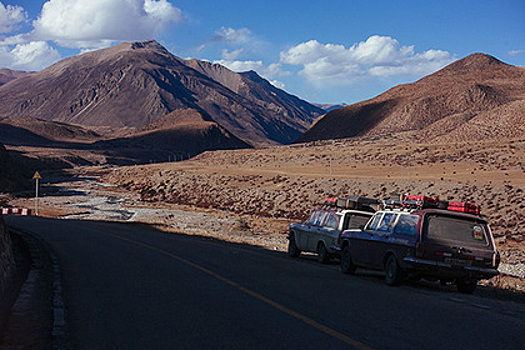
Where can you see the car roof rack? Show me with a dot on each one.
(353, 203)
(411, 202)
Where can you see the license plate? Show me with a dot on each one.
(458, 262)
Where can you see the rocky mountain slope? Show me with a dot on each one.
(475, 98)
(134, 84)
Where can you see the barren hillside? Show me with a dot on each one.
(476, 98)
(134, 84)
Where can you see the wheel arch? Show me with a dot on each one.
(389, 253)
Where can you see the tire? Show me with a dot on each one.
(393, 273)
(347, 265)
(322, 254)
(293, 251)
(466, 285)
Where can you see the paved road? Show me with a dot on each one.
(129, 287)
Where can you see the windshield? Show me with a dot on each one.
(454, 229)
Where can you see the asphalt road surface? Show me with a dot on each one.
(131, 287)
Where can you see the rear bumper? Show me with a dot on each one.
(444, 269)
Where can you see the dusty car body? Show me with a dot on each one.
(320, 233)
(429, 243)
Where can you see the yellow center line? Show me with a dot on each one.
(331, 332)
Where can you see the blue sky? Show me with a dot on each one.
(322, 51)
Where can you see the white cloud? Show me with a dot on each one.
(268, 72)
(379, 56)
(31, 56)
(11, 17)
(233, 36)
(95, 23)
(231, 55)
(515, 52)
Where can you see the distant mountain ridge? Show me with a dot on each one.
(6, 75)
(475, 98)
(134, 84)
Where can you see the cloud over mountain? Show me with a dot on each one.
(11, 17)
(377, 56)
(78, 23)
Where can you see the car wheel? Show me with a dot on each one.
(293, 251)
(347, 265)
(393, 273)
(322, 254)
(466, 285)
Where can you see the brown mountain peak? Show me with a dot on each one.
(476, 62)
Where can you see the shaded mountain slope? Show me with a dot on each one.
(12, 175)
(180, 134)
(42, 130)
(474, 98)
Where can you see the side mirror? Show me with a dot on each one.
(362, 227)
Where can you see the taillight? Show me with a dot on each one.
(473, 257)
(443, 254)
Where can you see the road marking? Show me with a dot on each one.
(331, 332)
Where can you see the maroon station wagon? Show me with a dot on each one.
(433, 244)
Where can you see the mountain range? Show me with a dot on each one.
(136, 103)
(132, 85)
(475, 98)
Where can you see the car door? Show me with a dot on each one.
(360, 242)
(380, 239)
(329, 232)
(301, 232)
(315, 230)
(404, 236)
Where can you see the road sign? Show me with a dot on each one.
(36, 177)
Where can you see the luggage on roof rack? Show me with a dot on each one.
(353, 202)
(426, 201)
(330, 202)
(357, 202)
(409, 202)
(464, 207)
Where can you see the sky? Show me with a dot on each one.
(331, 51)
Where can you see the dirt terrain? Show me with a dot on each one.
(251, 196)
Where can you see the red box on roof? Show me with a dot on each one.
(464, 207)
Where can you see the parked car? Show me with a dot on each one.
(422, 242)
(320, 232)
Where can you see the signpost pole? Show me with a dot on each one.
(36, 198)
(36, 177)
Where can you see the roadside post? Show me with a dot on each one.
(36, 177)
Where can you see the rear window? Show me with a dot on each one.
(452, 229)
(355, 221)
